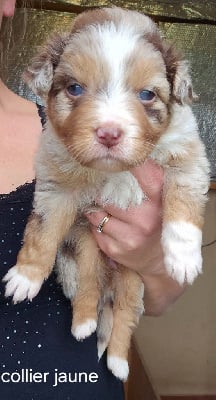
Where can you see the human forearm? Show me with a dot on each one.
(160, 292)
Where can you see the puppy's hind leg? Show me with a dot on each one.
(67, 270)
(85, 303)
(127, 308)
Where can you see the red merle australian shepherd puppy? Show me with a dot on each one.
(116, 94)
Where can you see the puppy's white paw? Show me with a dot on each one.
(181, 243)
(84, 330)
(19, 286)
(122, 190)
(118, 366)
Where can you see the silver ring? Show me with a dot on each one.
(103, 222)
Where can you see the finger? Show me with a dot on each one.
(133, 215)
(150, 178)
(107, 244)
(113, 227)
(8, 8)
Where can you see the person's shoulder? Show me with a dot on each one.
(31, 110)
(24, 106)
(28, 115)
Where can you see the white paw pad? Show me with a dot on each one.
(19, 286)
(181, 243)
(118, 366)
(84, 330)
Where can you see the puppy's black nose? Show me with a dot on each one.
(109, 135)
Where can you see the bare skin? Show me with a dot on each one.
(20, 130)
(6, 8)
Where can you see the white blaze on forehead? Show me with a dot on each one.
(114, 107)
(109, 45)
(117, 44)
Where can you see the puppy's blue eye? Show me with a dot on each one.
(75, 89)
(146, 95)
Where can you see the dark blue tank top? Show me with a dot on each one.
(39, 358)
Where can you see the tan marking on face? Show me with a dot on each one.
(146, 70)
(77, 129)
(148, 135)
(150, 74)
(77, 132)
(85, 69)
(170, 55)
(140, 70)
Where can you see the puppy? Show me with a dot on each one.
(116, 94)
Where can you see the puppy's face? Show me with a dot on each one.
(109, 94)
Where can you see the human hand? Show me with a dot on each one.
(132, 237)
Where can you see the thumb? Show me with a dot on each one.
(150, 178)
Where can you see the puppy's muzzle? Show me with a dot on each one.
(109, 135)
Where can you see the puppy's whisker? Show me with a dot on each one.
(79, 153)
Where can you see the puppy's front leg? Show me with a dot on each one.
(89, 262)
(42, 236)
(127, 309)
(184, 200)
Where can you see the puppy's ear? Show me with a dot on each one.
(178, 74)
(177, 69)
(39, 75)
(182, 85)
